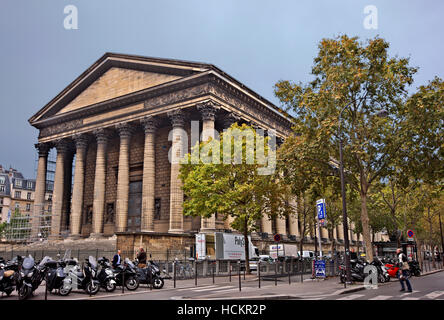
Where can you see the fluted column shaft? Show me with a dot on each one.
(266, 225)
(176, 192)
(78, 188)
(149, 174)
(281, 226)
(58, 193)
(99, 184)
(208, 111)
(40, 188)
(123, 178)
(340, 231)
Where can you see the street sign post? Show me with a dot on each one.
(410, 235)
(322, 216)
(277, 238)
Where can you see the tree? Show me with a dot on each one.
(237, 188)
(362, 81)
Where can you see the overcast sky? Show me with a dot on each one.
(257, 42)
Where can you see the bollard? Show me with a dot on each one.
(195, 273)
(245, 269)
(212, 271)
(239, 273)
(229, 269)
(276, 273)
(151, 279)
(174, 273)
(289, 275)
(302, 270)
(46, 286)
(123, 282)
(259, 272)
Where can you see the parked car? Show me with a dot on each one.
(262, 258)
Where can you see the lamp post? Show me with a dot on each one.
(382, 113)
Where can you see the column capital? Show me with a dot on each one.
(208, 110)
(43, 149)
(80, 140)
(177, 118)
(231, 118)
(101, 135)
(62, 146)
(149, 124)
(125, 129)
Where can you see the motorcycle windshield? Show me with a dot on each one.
(28, 263)
(129, 262)
(67, 255)
(44, 261)
(92, 261)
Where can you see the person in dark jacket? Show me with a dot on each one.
(403, 270)
(141, 256)
(117, 260)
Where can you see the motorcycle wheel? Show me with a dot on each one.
(24, 292)
(417, 273)
(92, 289)
(158, 283)
(342, 278)
(132, 283)
(381, 278)
(8, 292)
(110, 287)
(64, 291)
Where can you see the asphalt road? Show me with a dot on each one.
(429, 287)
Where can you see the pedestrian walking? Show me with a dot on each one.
(404, 268)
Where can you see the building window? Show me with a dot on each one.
(50, 197)
(28, 207)
(29, 184)
(28, 196)
(157, 207)
(18, 194)
(18, 182)
(2, 180)
(2, 188)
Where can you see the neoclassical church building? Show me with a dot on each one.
(115, 125)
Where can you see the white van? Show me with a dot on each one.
(307, 254)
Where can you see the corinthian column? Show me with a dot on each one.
(58, 193)
(149, 174)
(99, 184)
(176, 192)
(40, 188)
(281, 226)
(79, 181)
(208, 111)
(123, 177)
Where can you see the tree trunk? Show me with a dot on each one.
(247, 247)
(365, 227)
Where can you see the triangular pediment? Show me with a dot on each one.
(113, 76)
(114, 83)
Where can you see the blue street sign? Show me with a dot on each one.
(320, 268)
(322, 212)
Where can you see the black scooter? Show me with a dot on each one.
(415, 269)
(126, 274)
(84, 278)
(57, 277)
(106, 275)
(150, 275)
(357, 271)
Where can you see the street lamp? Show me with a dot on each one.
(382, 113)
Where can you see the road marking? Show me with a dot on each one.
(434, 294)
(208, 289)
(187, 289)
(410, 298)
(381, 298)
(351, 297)
(409, 293)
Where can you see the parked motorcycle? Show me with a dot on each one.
(85, 278)
(127, 274)
(155, 279)
(392, 268)
(8, 276)
(57, 279)
(415, 269)
(106, 275)
(383, 275)
(30, 276)
(357, 271)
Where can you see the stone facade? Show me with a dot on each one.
(122, 118)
